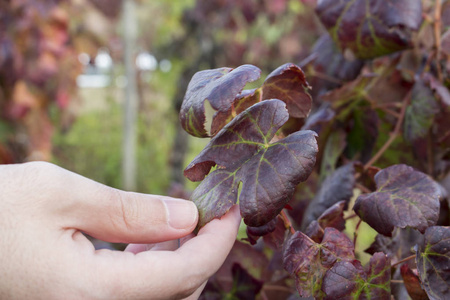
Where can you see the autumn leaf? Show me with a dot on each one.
(404, 198)
(338, 186)
(326, 59)
(349, 280)
(433, 262)
(286, 83)
(412, 283)
(308, 261)
(219, 87)
(368, 29)
(420, 114)
(243, 153)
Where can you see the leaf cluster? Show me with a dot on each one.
(39, 44)
(373, 147)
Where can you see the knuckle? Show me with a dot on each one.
(126, 214)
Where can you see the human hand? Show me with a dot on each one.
(44, 255)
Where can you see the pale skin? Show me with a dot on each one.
(43, 254)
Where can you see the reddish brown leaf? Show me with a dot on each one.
(308, 261)
(219, 87)
(243, 153)
(288, 84)
(412, 283)
(433, 262)
(404, 198)
(348, 280)
(370, 28)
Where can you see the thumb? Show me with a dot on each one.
(127, 217)
(113, 215)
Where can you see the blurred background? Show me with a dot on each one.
(95, 85)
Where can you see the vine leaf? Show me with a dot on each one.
(412, 283)
(219, 87)
(370, 28)
(332, 217)
(242, 101)
(308, 261)
(326, 58)
(433, 262)
(420, 114)
(404, 198)
(254, 233)
(349, 280)
(286, 83)
(243, 153)
(338, 186)
(275, 240)
(244, 286)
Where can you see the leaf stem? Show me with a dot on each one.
(394, 134)
(263, 295)
(437, 36)
(390, 112)
(325, 77)
(270, 287)
(362, 188)
(397, 281)
(403, 260)
(350, 217)
(355, 234)
(287, 222)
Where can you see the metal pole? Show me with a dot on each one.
(130, 104)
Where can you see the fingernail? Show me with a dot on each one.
(181, 213)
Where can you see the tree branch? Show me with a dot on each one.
(394, 134)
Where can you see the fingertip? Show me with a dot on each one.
(232, 217)
(182, 214)
(235, 213)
